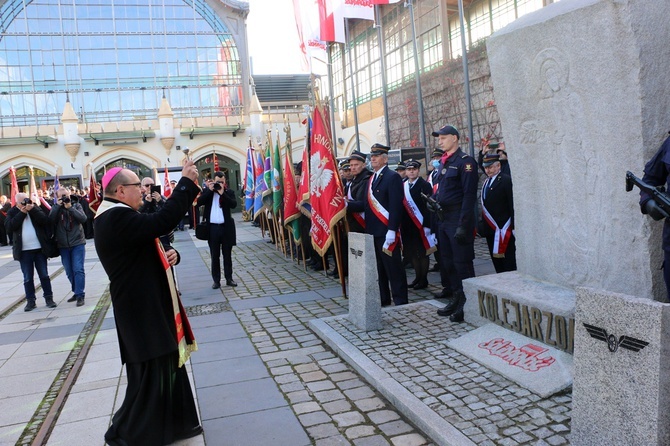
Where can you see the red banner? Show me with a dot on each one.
(167, 188)
(14, 185)
(93, 195)
(291, 206)
(326, 193)
(331, 21)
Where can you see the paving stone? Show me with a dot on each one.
(412, 439)
(313, 376)
(376, 440)
(299, 396)
(347, 419)
(350, 384)
(328, 395)
(369, 404)
(337, 440)
(323, 431)
(396, 427)
(359, 393)
(306, 407)
(337, 406)
(383, 416)
(314, 418)
(359, 431)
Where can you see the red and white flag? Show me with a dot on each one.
(326, 195)
(358, 9)
(307, 21)
(383, 2)
(331, 21)
(167, 189)
(14, 185)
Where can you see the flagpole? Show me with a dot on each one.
(466, 79)
(338, 257)
(382, 60)
(417, 75)
(353, 84)
(331, 100)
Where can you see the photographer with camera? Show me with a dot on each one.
(28, 224)
(218, 201)
(152, 200)
(68, 217)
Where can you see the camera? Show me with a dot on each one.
(155, 188)
(26, 201)
(217, 186)
(74, 199)
(65, 199)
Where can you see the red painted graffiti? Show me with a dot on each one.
(526, 357)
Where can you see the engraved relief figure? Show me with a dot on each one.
(562, 127)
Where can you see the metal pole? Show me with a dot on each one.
(332, 100)
(382, 60)
(466, 79)
(417, 75)
(353, 85)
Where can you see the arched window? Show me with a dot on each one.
(116, 59)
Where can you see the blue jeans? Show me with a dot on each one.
(30, 261)
(73, 262)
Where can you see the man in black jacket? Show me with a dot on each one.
(68, 217)
(153, 330)
(218, 201)
(27, 223)
(497, 222)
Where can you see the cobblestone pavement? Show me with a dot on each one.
(336, 406)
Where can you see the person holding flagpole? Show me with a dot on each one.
(155, 337)
(383, 209)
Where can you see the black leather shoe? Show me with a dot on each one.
(420, 285)
(80, 302)
(450, 308)
(30, 306)
(457, 316)
(72, 299)
(231, 283)
(386, 304)
(412, 284)
(216, 286)
(444, 294)
(51, 304)
(435, 268)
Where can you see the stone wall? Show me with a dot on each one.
(444, 103)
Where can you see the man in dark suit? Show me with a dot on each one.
(218, 201)
(417, 240)
(383, 212)
(155, 338)
(497, 222)
(357, 189)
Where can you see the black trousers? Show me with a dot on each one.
(456, 260)
(218, 244)
(158, 407)
(390, 270)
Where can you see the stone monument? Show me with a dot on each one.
(580, 89)
(364, 302)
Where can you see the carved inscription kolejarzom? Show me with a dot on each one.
(543, 326)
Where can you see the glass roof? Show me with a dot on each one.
(115, 59)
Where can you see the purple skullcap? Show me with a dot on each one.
(111, 173)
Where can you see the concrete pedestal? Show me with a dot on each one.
(364, 301)
(621, 390)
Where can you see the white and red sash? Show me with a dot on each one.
(417, 218)
(358, 216)
(502, 235)
(382, 214)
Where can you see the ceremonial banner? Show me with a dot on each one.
(327, 198)
(277, 180)
(216, 163)
(93, 196)
(267, 173)
(167, 189)
(14, 185)
(291, 206)
(249, 181)
(383, 2)
(259, 183)
(358, 9)
(307, 21)
(56, 185)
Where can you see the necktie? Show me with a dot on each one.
(486, 187)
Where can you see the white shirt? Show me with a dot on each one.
(29, 238)
(216, 214)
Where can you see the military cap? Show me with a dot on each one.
(401, 166)
(493, 145)
(412, 164)
(490, 158)
(379, 149)
(447, 130)
(437, 153)
(344, 164)
(357, 155)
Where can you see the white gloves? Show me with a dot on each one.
(390, 238)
